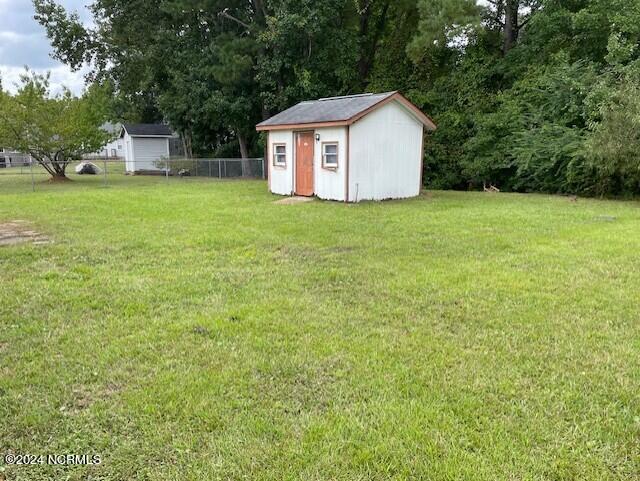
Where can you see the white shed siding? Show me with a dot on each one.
(385, 155)
(330, 184)
(128, 153)
(147, 151)
(281, 178)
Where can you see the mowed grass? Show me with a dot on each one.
(194, 329)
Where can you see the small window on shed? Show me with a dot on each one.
(330, 155)
(280, 155)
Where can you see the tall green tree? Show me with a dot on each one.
(523, 108)
(246, 59)
(53, 130)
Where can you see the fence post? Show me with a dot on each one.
(33, 181)
(264, 174)
(209, 162)
(105, 172)
(219, 169)
(196, 167)
(166, 171)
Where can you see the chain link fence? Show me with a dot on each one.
(27, 174)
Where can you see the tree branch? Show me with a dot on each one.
(42, 162)
(225, 13)
(522, 24)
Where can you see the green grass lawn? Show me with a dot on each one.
(195, 329)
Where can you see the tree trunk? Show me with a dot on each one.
(244, 153)
(187, 144)
(261, 12)
(510, 25)
(242, 140)
(369, 39)
(59, 165)
(364, 33)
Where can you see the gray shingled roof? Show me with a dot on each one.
(144, 130)
(334, 109)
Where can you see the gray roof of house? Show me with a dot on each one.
(333, 109)
(144, 130)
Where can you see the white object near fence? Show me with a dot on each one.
(87, 168)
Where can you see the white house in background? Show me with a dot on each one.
(115, 148)
(11, 158)
(145, 146)
(359, 147)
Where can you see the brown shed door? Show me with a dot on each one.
(304, 163)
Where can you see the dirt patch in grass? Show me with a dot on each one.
(19, 232)
(295, 253)
(294, 200)
(84, 396)
(58, 178)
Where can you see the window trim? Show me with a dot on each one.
(335, 166)
(274, 154)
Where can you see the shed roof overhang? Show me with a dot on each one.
(157, 131)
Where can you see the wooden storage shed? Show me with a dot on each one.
(353, 148)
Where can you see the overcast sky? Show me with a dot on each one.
(24, 42)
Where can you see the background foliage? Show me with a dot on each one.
(529, 95)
